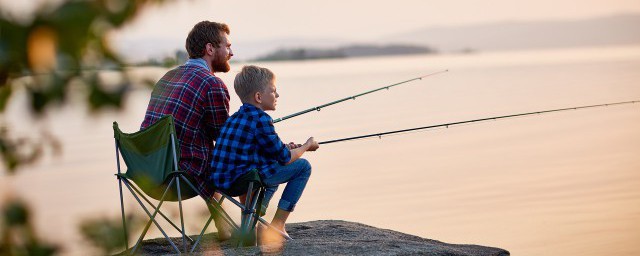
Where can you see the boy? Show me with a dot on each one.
(248, 141)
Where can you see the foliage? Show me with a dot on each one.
(108, 234)
(61, 45)
(168, 62)
(61, 49)
(17, 237)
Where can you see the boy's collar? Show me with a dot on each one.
(252, 107)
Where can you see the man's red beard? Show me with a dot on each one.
(221, 64)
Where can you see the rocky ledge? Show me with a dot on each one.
(332, 237)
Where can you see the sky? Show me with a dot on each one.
(349, 20)
(358, 20)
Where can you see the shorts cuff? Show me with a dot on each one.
(286, 205)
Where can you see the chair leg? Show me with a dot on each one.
(195, 245)
(214, 208)
(184, 240)
(161, 214)
(253, 207)
(262, 220)
(152, 217)
(246, 214)
(216, 205)
(124, 222)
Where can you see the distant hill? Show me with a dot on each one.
(611, 30)
(343, 52)
(497, 36)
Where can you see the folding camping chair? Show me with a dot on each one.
(151, 157)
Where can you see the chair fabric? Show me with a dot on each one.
(148, 155)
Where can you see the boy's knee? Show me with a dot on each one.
(305, 167)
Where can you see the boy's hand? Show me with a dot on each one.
(293, 145)
(311, 144)
(296, 153)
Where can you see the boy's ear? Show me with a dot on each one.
(258, 97)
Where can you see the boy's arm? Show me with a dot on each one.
(269, 144)
(310, 145)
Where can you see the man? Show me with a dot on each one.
(198, 101)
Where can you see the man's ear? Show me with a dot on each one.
(209, 49)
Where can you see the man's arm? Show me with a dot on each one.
(216, 107)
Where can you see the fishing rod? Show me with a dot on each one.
(354, 97)
(379, 135)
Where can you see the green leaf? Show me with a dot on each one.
(5, 94)
(15, 214)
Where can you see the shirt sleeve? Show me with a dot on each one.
(269, 142)
(216, 107)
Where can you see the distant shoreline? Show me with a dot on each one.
(362, 50)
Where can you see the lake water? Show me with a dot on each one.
(556, 184)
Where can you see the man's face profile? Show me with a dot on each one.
(222, 55)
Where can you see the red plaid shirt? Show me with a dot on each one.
(199, 103)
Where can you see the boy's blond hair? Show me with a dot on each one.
(250, 80)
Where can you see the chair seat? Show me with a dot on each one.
(240, 185)
(156, 191)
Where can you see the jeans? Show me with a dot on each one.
(296, 175)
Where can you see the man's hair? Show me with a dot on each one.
(203, 33)
(250, 80)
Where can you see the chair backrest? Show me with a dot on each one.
(151, 156)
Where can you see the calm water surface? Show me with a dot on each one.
(557, 184)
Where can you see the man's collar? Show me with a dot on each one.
(198, 62)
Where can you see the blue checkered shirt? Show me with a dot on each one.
(247, 141)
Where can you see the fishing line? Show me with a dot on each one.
(317, 108)
(447, 125)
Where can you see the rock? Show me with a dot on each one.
(331, 237)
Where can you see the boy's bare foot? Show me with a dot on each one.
(268, 236)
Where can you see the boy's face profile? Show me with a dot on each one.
(267, 99)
